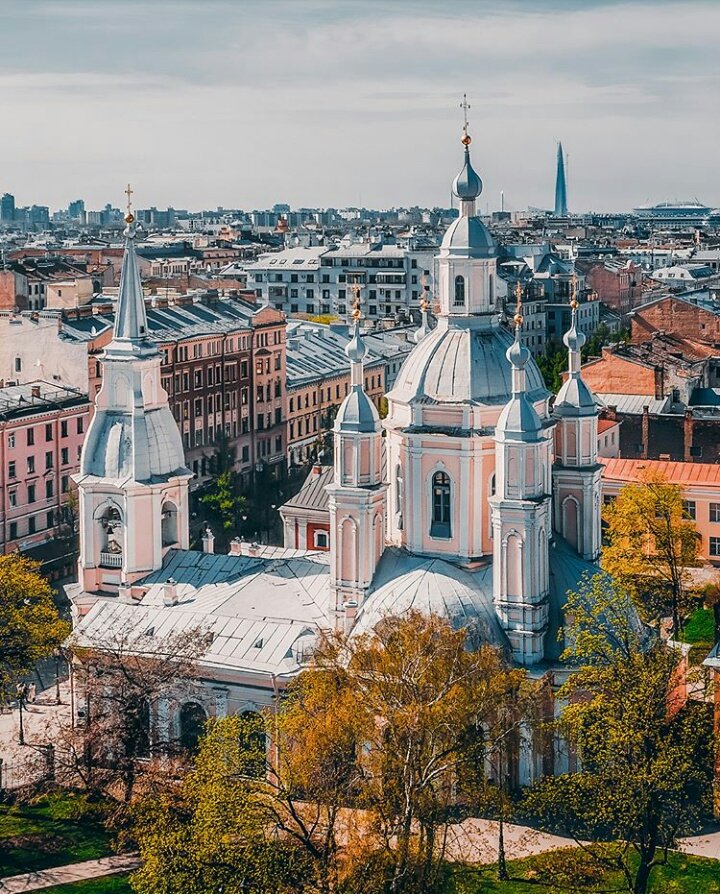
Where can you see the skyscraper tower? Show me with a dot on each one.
(561, 209)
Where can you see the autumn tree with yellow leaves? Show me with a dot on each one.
(372, 752)
(30, 626)
(650, 544)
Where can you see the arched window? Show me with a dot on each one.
(169, 523)
(192, 725)
(459, 290)
(137, 717)
(440, 505)
(111, 541)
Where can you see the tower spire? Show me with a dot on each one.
(467, 186)
(561, 209)
(131, 328)
(573, 339)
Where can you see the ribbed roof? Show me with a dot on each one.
(463, 363)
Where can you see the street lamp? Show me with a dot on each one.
(22, 689)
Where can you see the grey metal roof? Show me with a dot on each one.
(468, 237)
(171, 323)
(404, 582)
(313, 494)
(632, 404)
(313, 353)
(257, 608)
(464, 362)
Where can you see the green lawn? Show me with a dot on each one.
(53, 831)
(682, 875)
(700, 627)
(113, 884)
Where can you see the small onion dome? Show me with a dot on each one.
(356, 348)
(518, 354)
(467, 185)
(573, 339)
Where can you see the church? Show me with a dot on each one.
(472, 500)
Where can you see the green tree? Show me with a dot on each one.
(373, 749)
(213, 834)
(644, 754)
(651, 543)
(225, 500)
(552, 365)
(31, 626)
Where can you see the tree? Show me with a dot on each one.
(644, 754)
(225, 500)
(373, 750)
(31, 626)
(651, 542)
(213, 833)
(552, 365)
(121, 680)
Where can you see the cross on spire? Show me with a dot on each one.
(518, 318)
(465, 106)
(573, 291)
(355, 288)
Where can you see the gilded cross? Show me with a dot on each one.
(355, 287)
(128, 192)
(573, 291)
(518, 303)
(465, 106)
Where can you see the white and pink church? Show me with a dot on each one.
(472, 500)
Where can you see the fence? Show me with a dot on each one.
(31, 772)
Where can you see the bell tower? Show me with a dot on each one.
(132, 484)
(577, 472)
(520, 510)
(358, 492)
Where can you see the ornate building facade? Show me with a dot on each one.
(472, 500)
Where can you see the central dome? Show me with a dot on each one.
(463, 363)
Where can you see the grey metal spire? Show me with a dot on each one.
(574, 397)
(519, 419)
(130, 318)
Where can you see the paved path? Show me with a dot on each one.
(704, 845)
(63, 875)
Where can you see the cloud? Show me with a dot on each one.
(325, 103)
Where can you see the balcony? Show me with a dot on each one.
(110, 560)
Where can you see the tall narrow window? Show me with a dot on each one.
(440, 505)
(459, 290)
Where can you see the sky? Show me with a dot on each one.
(335, 103)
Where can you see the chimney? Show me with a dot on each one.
(170, 592)
(125, 593)
(236, 547)
(35, 391)
(645, 431)
(253, 549)
(208, 541)
(317, 469)
(688, 425)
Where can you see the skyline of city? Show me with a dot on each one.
(223, 105)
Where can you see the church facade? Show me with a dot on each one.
(473, 499)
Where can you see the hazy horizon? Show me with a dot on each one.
(316, 103)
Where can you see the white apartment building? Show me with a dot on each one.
(320, 279)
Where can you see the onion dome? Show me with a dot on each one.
(574, 398)
(519, 419)
(467, 186)
(356, 349)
